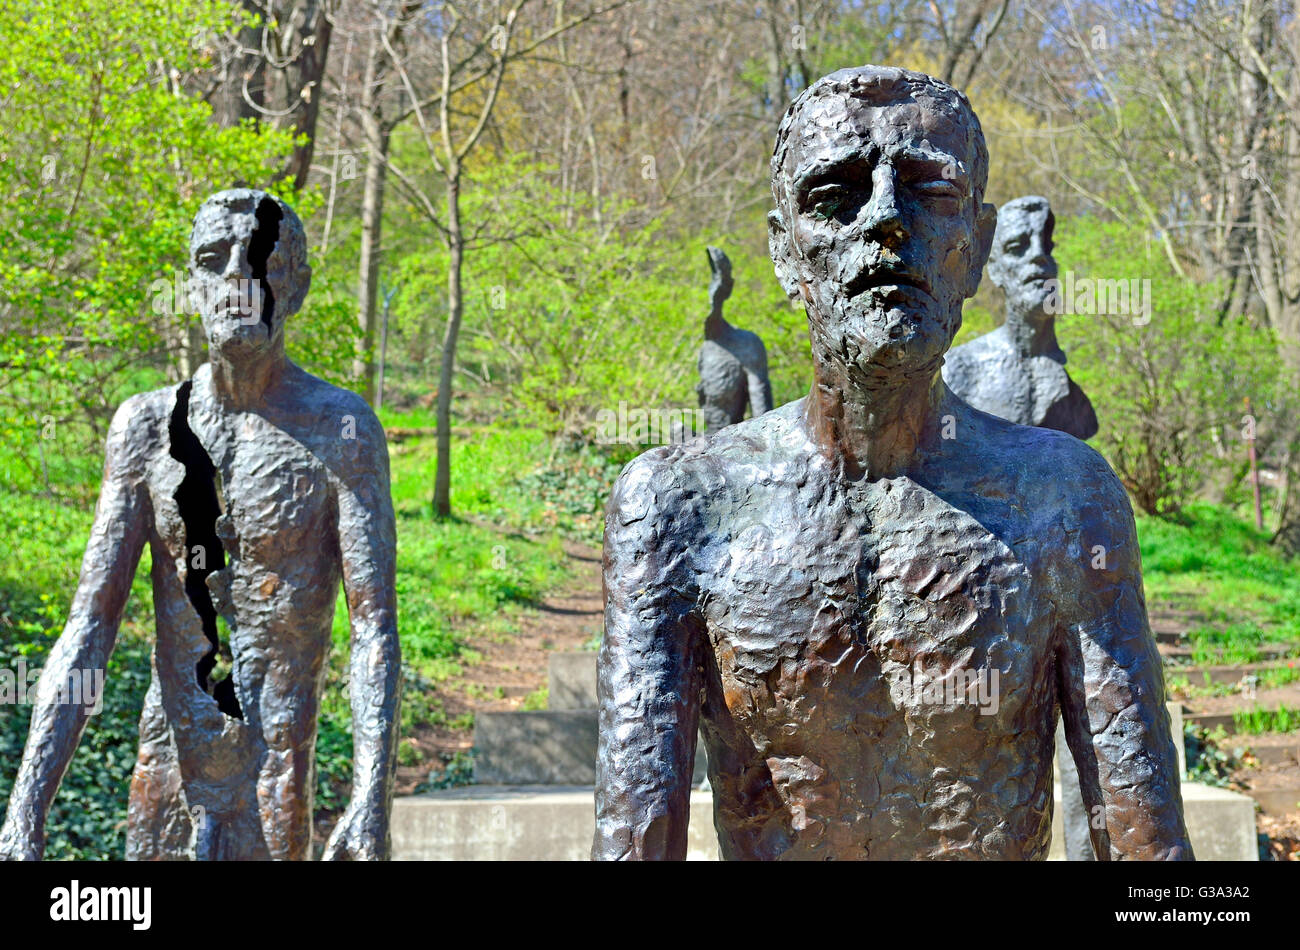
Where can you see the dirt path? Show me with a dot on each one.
(514, 666)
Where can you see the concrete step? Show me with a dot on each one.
(543, 747)
(557, 823)
(571, 678)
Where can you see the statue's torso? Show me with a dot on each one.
(250, 775)
(885, 660)
(1034, 390)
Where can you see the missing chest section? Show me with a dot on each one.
(199, 503)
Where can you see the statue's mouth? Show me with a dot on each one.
(886, 279)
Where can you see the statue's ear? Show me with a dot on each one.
(301, 284)
(778, 246)
(985, 224)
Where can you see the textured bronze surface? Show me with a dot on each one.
(1018, 371)
(732, 362)
(808, 586)
(257, 487)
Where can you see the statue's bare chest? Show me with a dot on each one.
(872, 611)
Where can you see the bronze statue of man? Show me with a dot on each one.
(1018, 370)
(257, 487)
(873, 599)
(732, 363)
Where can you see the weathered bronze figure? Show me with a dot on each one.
(732, 362)
(257, 488)
(1018, 370)
(873, 599)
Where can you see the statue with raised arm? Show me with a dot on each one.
(257, 487)
(873, 601)
(732, 362)
(1018, 370)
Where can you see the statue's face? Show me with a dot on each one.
(238, 281)
(885, 239)
(1021, 262)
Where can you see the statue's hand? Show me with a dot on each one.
(358, 836)
(18, 845)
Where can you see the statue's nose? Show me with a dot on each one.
(882, 218)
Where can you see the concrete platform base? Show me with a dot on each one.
(556, 823)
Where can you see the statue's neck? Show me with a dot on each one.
(714, 325)
(1032, 333)
(873, 425)
(245, 384)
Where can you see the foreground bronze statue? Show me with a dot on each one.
(873, 599)
(257, 488)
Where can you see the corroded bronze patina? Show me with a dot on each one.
(872, 600)
(257, 487)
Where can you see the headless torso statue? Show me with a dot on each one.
(257, 488)
(732, 362)
(816, 586)
(1018, 372)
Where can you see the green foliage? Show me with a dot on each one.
(1259, 720)
(1209, 761)
(1169, 393)
(103, 168)
(1234, 576)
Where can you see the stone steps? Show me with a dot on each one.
(557, 823)
(554, 746)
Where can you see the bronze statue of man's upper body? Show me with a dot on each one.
(732, 363)
(871, 599)
(257, 488)
(1017, 371)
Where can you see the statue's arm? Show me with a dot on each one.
(107, 569)
(649, 676)
(1112, 687)
(368, 544)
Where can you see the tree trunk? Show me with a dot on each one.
(442, 480)
(372, 216)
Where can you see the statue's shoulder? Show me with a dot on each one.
(146, 415)
(686, 479)
(1071, 484)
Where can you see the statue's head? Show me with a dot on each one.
(248, 270)
(720, 283)
(1021, 261)
(880, 227)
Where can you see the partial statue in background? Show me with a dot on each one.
(1018, 370)
(732, 363)
(874, 600)
(257, 487)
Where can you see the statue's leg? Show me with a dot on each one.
(1078, 841)
(159, 824)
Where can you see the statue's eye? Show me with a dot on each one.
(210, 260)
(827, 201)
(938, 188)
(1015, 246)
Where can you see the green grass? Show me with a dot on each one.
(1218, 564)
(1260, 720)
